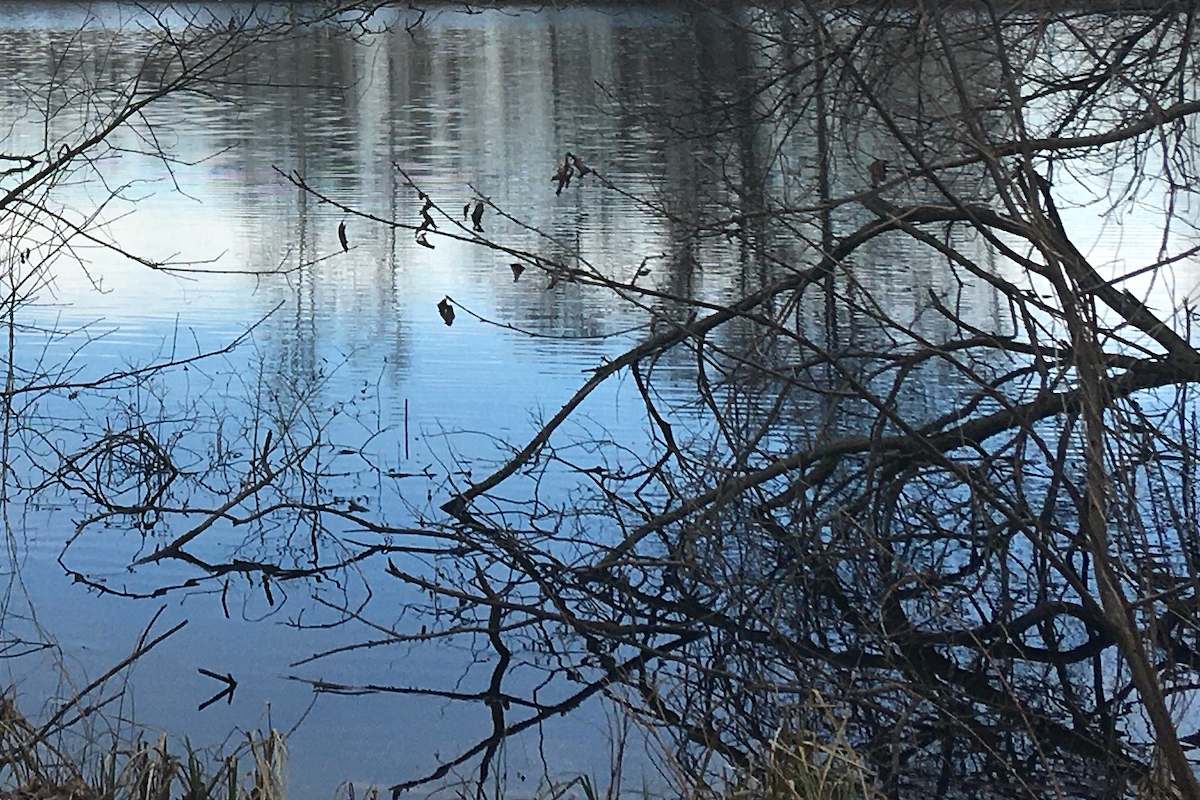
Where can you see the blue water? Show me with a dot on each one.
(348, 347)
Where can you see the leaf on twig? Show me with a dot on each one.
(563, 176)
(446, 310)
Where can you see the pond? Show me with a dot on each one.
(272, 327)
(467, 105)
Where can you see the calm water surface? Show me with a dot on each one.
(472, 104)
(480, 104)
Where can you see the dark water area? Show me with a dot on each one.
(348, 347)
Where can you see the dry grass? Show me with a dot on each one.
(809, 758)
(803, 765)
(34, 768)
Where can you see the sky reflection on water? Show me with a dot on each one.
(473, 103)
(480, 104)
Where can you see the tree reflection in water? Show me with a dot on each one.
(918, 476)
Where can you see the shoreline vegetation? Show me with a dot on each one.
(73, 763)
